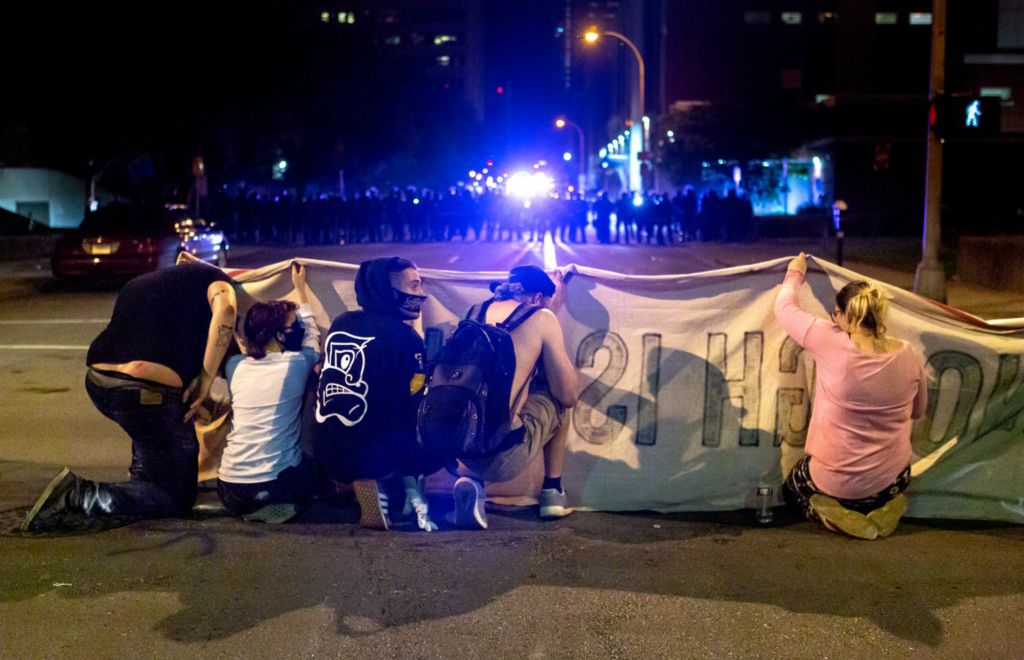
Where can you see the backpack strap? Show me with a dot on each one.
(478, 312)
(518, 316)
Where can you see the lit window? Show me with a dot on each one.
(828, 17)
(393, 40)
(920, 18)
(792, 17)
(342, 16)
(444, 60)
(886, 18)
(1002, 93)
(757, 17)
(351, 18)
(325, 16)
(442, 39)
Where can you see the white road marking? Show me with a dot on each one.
(550, 261)
(41, 347)
(453, 259)
(50, 321)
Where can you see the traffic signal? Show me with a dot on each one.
(964, 115)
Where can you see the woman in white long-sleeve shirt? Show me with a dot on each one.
(263, 473)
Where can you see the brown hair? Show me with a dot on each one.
(262, 324)
(864, 305)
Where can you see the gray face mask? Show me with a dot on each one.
(409, 304)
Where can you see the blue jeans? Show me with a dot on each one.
(164, 469)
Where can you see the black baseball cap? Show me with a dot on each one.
(532, 279)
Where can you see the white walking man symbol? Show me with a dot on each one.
(973, 114)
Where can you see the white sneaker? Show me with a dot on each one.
(469, 504)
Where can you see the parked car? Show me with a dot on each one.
(122, 240)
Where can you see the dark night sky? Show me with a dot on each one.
(251, 83)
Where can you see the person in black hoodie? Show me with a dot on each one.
(369, 390)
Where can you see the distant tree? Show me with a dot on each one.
(684, 138)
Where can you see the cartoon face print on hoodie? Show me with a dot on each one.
(342, 390)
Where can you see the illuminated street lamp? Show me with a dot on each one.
(591, 36)
(562, 122)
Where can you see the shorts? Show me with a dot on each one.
(541, 416)
(799, 488)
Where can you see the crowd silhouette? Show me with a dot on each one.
(422, 215)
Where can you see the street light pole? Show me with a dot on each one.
(639, 61)
(930, 279)
(561, 122)
(593, 35)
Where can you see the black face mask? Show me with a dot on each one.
(409, 304)
(293, 336)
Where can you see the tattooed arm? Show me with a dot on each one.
(222, 331)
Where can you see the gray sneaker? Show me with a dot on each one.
(469, 504)
(272, 514)
(554, 503)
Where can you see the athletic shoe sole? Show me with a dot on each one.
(469, 507)
(272, 514)
(34, 511)
(373, 512)
(887, 517)
(836, 517)
(552, 512)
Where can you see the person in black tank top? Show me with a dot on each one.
(178, 319)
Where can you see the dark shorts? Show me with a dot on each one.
(293, 485)
(799, 488)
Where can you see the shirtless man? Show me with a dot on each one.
(149, 371)
(537, 408)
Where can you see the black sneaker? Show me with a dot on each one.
(56, 499)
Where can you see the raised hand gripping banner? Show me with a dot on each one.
(692, 394)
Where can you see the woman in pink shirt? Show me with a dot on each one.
(869, 388)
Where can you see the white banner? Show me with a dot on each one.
(693, 393)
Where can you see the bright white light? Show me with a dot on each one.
(525, 184)
(817, 167)
(765, 163)
(603, 153)
(484, 171)
(416, 201)
(638, 200)
(282, 165)
(93, 205)
(737, 174)
(670, 134)
(721, 162)
(472, 174)
(566, 156)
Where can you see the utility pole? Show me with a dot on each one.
(930, 279)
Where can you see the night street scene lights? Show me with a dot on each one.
(562, 122)
(637, 108)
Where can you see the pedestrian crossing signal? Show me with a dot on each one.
(965, 116)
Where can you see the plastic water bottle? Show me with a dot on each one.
(765, 514)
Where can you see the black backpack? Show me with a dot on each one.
(465, 411)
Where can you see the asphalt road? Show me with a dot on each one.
(593, 585)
